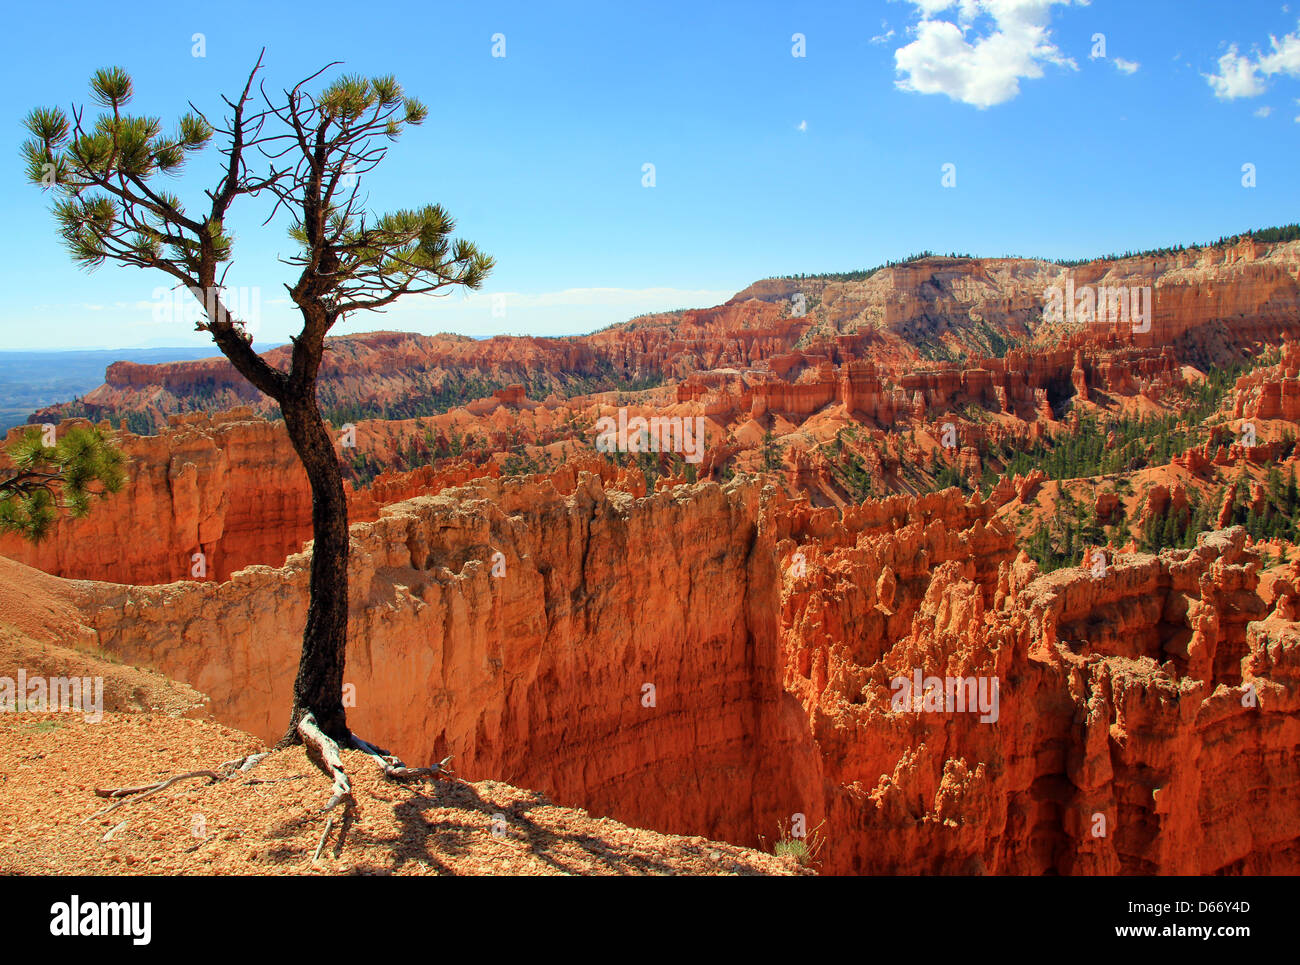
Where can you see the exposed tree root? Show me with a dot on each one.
(329, 824)
(395, 770)
(324, 752)
(155, 787)
(149, 790)
(227, 770)
(245, 764)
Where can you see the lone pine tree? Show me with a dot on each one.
(307, 153)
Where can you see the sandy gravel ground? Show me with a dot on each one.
(268, 821)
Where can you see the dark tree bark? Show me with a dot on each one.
(318, 688)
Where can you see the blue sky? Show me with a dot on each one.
(765, 163)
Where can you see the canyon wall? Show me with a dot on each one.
(1272, 392)
(1247, 291)
(725, 696)
(716, 660)
(1208, 304)
(228, 486)
(798, 384)
(370, 368)
(538, 676)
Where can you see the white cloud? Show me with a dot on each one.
(1126, 66)
(1264, 111)
(1241, 75)
(801, 126)
(1285, 58)
(1237, 77)
(928, 8)
(982, 67)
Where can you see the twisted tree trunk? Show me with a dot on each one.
(318, 688)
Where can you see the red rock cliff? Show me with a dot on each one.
(228, 486)
(724, 697)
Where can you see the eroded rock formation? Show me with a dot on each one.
(724, 697)
(1204, 304)
(715, 660)
(228, 487)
